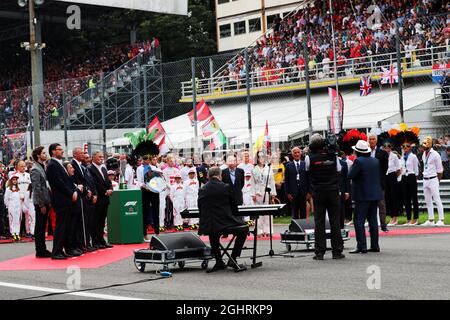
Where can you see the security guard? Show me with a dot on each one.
(202, 171)
(324, 167)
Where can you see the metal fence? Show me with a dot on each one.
(126, 100)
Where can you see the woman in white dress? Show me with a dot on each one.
(261, 176)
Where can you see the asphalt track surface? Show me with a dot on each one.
(408, 267)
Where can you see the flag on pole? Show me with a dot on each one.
(263, 142)
(389, 75)
(336, 111)
(217, 140)
(203, 112)
(160, 135)
(212, 131)
(210, 126)
(365, 87)
(267, 139)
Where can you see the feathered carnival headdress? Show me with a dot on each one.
(142, 143)
(349, 139)
(403, 134)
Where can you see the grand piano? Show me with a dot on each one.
(254, 211)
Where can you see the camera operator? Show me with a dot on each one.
(324, 167)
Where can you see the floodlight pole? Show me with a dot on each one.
(336, 76)
(34, 73)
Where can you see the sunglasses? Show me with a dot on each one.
(406, 146)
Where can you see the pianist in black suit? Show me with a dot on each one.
(216, 206)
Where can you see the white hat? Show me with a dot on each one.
(192, 170)
(15, 175)
(111, 172)
(362, 147)
(177, 175)
(248, 174)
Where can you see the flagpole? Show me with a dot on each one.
(194, 103)
(249, 106)
(335, 66)
(399, 71)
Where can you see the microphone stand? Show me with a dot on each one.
(267, 190)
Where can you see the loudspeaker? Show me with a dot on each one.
(300, 225)
(176, 241)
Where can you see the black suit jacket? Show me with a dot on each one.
(238, 183)
(217, 207)
(290, 181)
(79, 177)
(383, 158)
(365, 178)
(101, 182)
(344, 182)
(61, 185)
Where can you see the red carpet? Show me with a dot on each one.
(91, 260)
(104, 257)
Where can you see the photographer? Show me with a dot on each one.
(324, 167)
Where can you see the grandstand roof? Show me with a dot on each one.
(287, 116)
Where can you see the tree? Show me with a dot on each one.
(183, 37)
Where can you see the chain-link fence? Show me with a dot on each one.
(281, 80)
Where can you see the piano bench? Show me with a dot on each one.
(235, 230)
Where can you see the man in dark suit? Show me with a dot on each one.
(104, 191)
(234, 177)
(41, 200)
(64, 195)
(383, 158)
(217, 205)
(81, 234)
(296, 184)
(366, 192)
(90, 205)
(344, 190)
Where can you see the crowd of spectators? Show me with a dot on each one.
(75, 70)
(278, 55)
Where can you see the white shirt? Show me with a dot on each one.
(140, 176)
(394, 163)
(169, 174)
(373, 152)
(432, 164)
(129, 176)
(247, 167)
(411, 165)
(185, 173)
(24, 181)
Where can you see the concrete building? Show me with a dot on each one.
(241, 22)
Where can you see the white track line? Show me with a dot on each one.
(68, 292)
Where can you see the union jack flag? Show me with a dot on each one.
(365, 87)
(389, 75)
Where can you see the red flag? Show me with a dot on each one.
(336, 111)
(267, 138)
(202, 112)
(160, 136)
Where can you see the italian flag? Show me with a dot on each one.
(217, 140)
